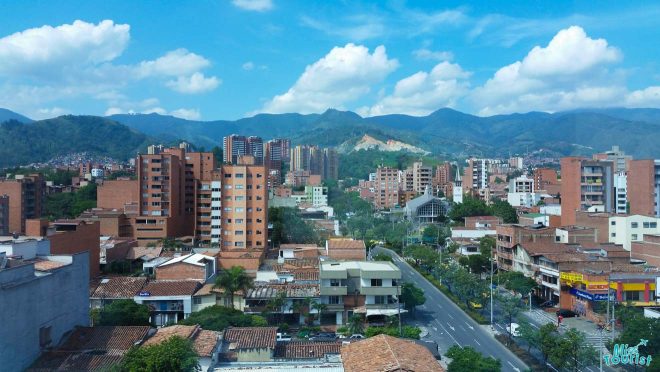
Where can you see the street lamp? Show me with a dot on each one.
(491, 294)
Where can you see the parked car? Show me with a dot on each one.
(476, 305)
(283, 337)
(548, 304)
(513, 329)
(324, 336)
(356, 336)
(567, 313)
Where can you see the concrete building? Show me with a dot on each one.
(521, 184)
(422, 176)
(477, 172)
(233, 146)
(523, 199)
(26, 195)
(617, 157)
(586, 185)
(317, 195)
(4, 215)
(192, 266)
(42, 299)
(386, 188)
(457, 190)
(387, 353)
(70, 237)
(248, 344)
(643, 187)
(620, 193)
(625, 230)
(647, 250)
(330, 164)
(352, 287)
(277, 152)
(508, 236)
(443, 174)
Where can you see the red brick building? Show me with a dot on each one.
(26, 199)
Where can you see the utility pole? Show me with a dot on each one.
(398, 306)
(600, 348)
(491, 294)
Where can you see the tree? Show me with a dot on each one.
(173, 354)
(383, 257)
(486, 246)
(356, 324)
(424, 256)
(510, 307)
(635, 327)
(123, 313)
(468, 359)
(571, 352)
(288, 227)
(547, 340)
(218, 318)
(276, 304)
(502, 208)
(530, 335)
(320, 308)
(232, 281)
(476, 263)
(469, 207)
(303, 308)
(517, 282)
(412, 296)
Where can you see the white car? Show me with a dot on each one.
(513, 329)
(283, 337)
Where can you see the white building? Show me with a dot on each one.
(627, 229)
(457, 190)
(521, 184)
(551, 209)
(24, 247)
(621, 193)
(98, 173)
(523, 199)
(317, 195)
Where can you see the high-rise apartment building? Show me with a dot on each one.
(521, 184)
(276, 154)
(386, 187)
(330, 164)
(586, 185)
(421, 176)
(543, 177)
(475, 175)
(26, 196)
(443, 174)
(234, 146)
(620, 192)
(617, 157)
(644, 187)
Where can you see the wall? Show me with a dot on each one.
(84, 238)
(180, 271)
(255, 355)
(641, 187)
(623, 233)
(116, 193)
(59, 300)
(648, 250)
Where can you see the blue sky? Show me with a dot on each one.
(233, 58)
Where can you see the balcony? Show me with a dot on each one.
(379, 291)
(334, 291)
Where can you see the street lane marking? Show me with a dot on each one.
(452, 337)
(475, 340)
(450, 316)
(513, 366)
(435, 328)
(450, 326)
(469, 326)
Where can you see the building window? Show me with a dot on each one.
(634, 225)
(335, 283)
(633, 236)
(227, 175)
(239, 198)
(197, 300)
(376, 282)
(239, 175)
(379, 300)
(44, 336)
(612, 223)
(239, 209)
(239, 187)
(334, 300)
(239, 220)
(613, 235)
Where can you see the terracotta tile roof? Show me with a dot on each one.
(345, 244)
(251, 337)
(388, 354)
(541, 246)
(91, 349)
(46, 265)
(206, 289)
(104, 338)
(172, 287)
(306, 350)
(294, 245)
(148, 252)
(204, 342)
(266, 290)
(119, 287)
(309, 275)
(568, 257)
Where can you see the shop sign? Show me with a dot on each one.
(571, 277)
(588, 296)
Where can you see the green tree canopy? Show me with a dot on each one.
(288, 227)
(635, 327)
(412, 296)
(123, 313)
(232, 281)
(572, 353)
(468, 359)
(217, 318)
(173, 354)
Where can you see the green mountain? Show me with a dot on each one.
(42, 140)
(6, 115)
(443, 132)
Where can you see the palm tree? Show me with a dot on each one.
(276, 305)
(232, 281)
(320, 308)
(356, 324)
(302, 308)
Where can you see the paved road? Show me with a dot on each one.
(448, 324)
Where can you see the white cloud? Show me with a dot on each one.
(355, 28)
(179, 62)
(193, 84)
(648, 97)
(424, 92)
(570, 72)
(248, 66)
(189, 114)
(342, 76)
(254, 5)
(50, 112)
(46, 51)
(427, 54)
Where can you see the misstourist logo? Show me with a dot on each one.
(628, 355)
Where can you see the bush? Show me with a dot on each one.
(407, 331)
(284, 327)
(217, 318)
(343, 330)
